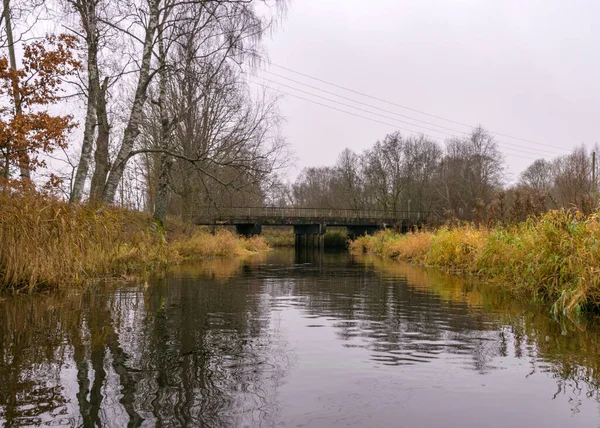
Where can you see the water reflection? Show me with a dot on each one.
(222, 343)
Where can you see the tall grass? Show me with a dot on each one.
(222, 243)
(279, 236)
(335, 238)
(47, 243)
(555, 257)
(410, 247)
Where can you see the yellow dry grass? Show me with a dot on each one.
(47, 243)
(555, 257)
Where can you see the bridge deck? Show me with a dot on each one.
(278, 216)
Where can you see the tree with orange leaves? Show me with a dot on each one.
(27, 127)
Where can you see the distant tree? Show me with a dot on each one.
(423, 157)
(384, 172)
(314, 188)
(470, 173)
(539, 176)
(398, 170)
(349, 181)
(385, 177)
(573, 180)
(27, 128)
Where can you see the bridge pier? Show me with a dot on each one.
(248, 229)
(310, 235)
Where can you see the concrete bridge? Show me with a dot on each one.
(310, 224)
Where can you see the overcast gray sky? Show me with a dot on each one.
(529, 69)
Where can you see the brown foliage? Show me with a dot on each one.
(27, 128)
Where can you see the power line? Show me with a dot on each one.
(554, 152)
(375, 120)
(406, 107)
(518, 149)
(358, 102)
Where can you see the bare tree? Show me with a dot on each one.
(539, 176)
(96, 128)
(349, 179)
(395, 171)
(423, 157)
(314, 188)
(384, 172)
(206, 125)
(471, 171)
(227, 29)
(573, 180)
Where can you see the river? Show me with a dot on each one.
(294, 340)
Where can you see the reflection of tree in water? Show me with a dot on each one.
(30, 370)
(505, 326)
(211, 354)
(405, 315)
(567, 352)
(206, 352)
(397, 323)
(180, 354)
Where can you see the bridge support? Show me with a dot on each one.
(356, 231)
(248, 229)
(310, 235)
(406, 226)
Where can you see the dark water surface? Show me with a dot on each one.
(294, 341)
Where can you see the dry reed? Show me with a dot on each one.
(47, 243)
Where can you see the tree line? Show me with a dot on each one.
(464, 179)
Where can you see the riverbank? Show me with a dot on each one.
(50, 244)
(554, 258)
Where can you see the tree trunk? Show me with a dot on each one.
(162, 191)
(23, 157)
(101, 155)
(133, 126)
(90, 117)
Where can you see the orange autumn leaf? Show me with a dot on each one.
(27, 127)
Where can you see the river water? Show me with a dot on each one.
(294, 340)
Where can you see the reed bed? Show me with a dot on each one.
(48, 244)
(554, 257)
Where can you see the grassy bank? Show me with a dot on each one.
(49, 244)
(555, 257)
(284, 237)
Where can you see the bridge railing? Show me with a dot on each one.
(227, 213)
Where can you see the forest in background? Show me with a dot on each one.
(464, 179)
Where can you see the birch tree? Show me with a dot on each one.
(96, 126)
(230, 29)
